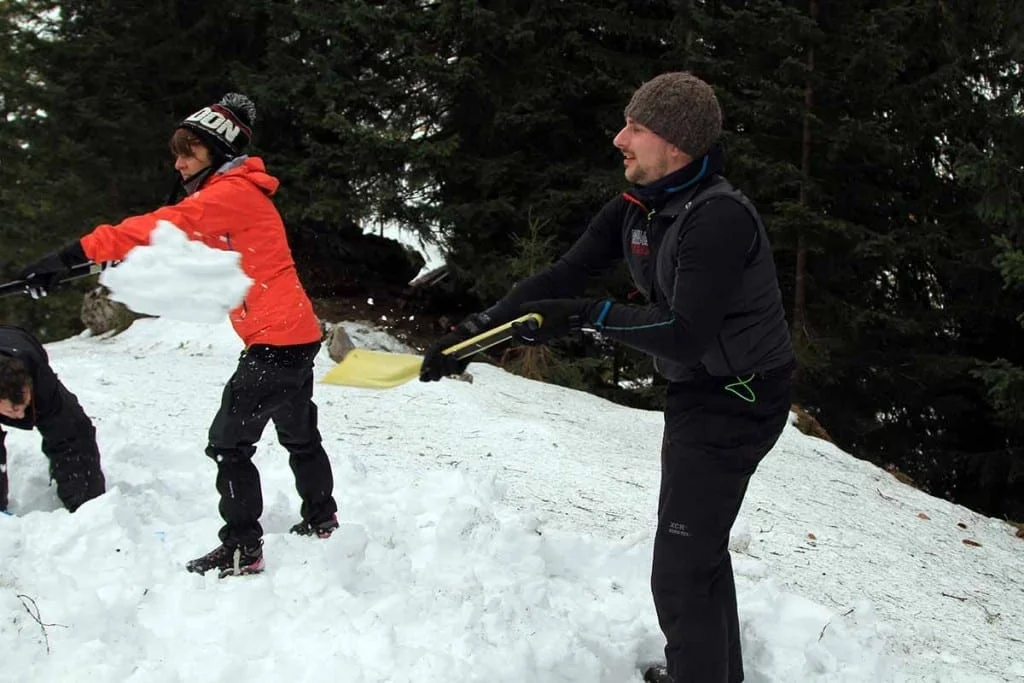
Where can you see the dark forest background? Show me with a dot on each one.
(881, 144)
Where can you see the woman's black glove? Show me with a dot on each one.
(46, 273)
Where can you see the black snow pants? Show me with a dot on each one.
(270, 383)
(713, 442)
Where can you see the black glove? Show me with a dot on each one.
(436, 364)
(561, 317)
(43, 275)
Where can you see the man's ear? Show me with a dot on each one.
(679, 156)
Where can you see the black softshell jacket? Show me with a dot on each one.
(703, 261)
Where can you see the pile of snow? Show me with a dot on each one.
(495, 531)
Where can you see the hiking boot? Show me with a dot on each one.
(657, 674)
(230, 560)
(321, 529)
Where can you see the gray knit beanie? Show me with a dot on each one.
(681, 108)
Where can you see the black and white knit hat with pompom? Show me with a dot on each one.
(225, 127)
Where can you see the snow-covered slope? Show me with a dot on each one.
(493, 531)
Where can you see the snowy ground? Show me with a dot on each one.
(493, 531)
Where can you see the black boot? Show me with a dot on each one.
(322, 529)
(230, 560)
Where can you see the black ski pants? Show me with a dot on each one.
(713, 442)
(69, 443)
(270, 383)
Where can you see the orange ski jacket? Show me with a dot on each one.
(232, 211)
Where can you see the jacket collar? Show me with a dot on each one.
(192, 185)
(675, 189)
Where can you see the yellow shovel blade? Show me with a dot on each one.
(383, 370)
(374, 369)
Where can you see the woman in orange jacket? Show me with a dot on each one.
(227, 205)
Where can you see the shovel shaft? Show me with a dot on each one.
(489, 338)
(76, 273)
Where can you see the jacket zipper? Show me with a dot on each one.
(245, 307)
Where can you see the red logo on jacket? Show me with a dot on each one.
(638, 243)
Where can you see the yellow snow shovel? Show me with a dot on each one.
(383, 370)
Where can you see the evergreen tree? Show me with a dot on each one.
(879, 142)
(107, 82)
(994, 167)
(865, 209)
(32, 185)
(534, 96)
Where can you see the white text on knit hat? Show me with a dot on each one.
(219, 123)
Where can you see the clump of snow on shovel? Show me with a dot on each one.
(178, 278)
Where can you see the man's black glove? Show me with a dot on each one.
(436, 364)
(561, 317)
(43, 275)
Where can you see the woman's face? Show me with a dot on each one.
(190, 164)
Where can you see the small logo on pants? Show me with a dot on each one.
(678, 528)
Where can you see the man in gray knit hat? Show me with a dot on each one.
(682, 110)
(715, 326)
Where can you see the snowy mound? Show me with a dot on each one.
(498, 531)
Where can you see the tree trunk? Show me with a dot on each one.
(689, 29)
(799, 329)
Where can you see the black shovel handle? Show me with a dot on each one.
(76, 273)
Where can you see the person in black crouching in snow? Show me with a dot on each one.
(715, 325)
(31, 397)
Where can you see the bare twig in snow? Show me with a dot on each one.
(990, 617)
(36, 616)
(822, 634)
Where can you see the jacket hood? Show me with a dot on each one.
(252, 169)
